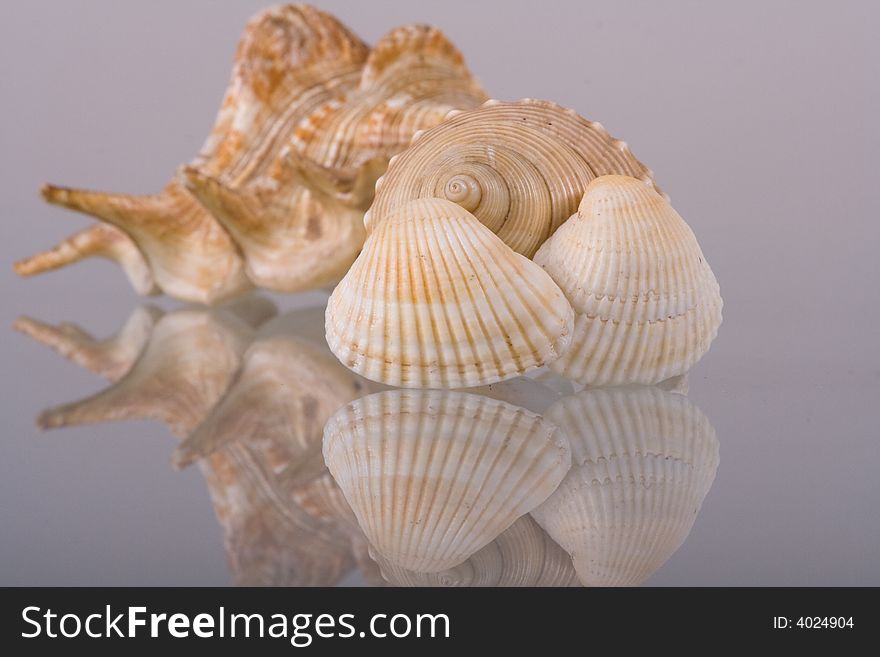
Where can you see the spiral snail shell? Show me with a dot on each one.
(521, 168)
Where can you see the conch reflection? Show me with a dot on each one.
(315, 472)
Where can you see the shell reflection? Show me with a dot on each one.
(643, 460)
(433, 476)
(250, 404)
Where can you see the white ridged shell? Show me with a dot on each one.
(642, 461)
(436, 299)
(647, 304)
(433, 476)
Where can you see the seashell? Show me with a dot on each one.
(183, 370)
(522, 555)
(98, 240)
(110, 358)
(277, 194)
(521, 168)
(437, 300)
(280, 399)
(433, 476)
(643, 460)
(647, 304)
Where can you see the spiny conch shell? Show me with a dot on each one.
(521, 168)
(98, 240)
(188, 362)
(299, 221)
(277, 194)
(643, 460)
(647, 304)
(522, 555)
(437, 300)
(280, 399)
(110, 358)
(433, 476)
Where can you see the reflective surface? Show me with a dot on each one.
(764, 136)
(316, 474)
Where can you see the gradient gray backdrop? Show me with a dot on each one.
(758, 118)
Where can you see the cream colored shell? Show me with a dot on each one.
(643, 459)
(520, 167)
(437, 300)
(647, 304)
(433, 476)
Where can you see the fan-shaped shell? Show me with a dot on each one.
(434, 476)
(437, 300)
(522, 555)
(521, 168)
(647, 304)
(642, 461)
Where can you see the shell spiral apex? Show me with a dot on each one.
(520, 167)
(436, 299)
(647, 304)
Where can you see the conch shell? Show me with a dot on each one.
(433, 476)
(437, 300)
(443, 294)
(522, 555)
(643, 460)
(276, 196)
(648, 305)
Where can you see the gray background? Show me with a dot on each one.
(758, 118)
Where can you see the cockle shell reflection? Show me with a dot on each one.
(522, 555)
(433, 476)
(276, 196)
(643, 460)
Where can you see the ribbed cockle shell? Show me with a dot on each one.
(647, 304)
(437, 300)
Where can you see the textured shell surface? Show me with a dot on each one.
(522, 555)
(436, 299)
(643, 460)
(276, 196)
(647, 304)
(433, 476)
(520, 167)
